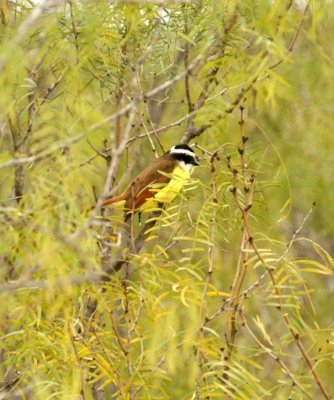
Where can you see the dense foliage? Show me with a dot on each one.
(227, 292)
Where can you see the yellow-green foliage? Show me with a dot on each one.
(227, 292)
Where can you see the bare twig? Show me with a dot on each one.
(201, 356)
(248, 191)
(256, 284)
(34, 15)
(286, 318)
(272, 354)
(294, 38)
(248, 236)
(58, 284)
(153, 92)
(191, 132)
(247, 291)
(189, 135)
(38, 157)
(138, 244)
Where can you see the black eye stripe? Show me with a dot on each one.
(184, 157)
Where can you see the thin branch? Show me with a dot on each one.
(59, 284)
(33, 16)
(294, 334)
(256, 284)
(153, 92)
(201, 356)
(251, 288)
(294, 39)
(271, 353)
(285, 316)
(188, 136)
(139, 242)
(39, 157)
(191, 132)
(248, 187)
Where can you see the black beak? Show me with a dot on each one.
(196, 161)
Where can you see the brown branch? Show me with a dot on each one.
(276, 288)
(119, 338)
(119, 150)
(271, 353)
(293, 333)
(191, 132)
(188, 136)
(59, 284)
(201, 356)
(284, 314)
(248, 187)
(186, 63)
(146, 103)
(42, 156)
(153, 92)
(256, 284)
(251, 288)
(139, 242)
(21, 139)
(48, 92)
(35, 13)
(33, 110)
(294, 39)
(74, 28)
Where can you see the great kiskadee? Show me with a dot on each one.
(159, 183)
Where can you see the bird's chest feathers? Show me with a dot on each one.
(166, 194)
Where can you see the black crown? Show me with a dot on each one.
(184, 147)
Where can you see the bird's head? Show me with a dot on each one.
(184, 155)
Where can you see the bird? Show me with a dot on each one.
(159, 182)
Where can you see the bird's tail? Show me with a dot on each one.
(113, 200)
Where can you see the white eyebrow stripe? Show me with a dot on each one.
(183, 151)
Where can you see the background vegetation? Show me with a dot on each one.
(230, 295)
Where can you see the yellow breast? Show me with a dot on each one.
(166, 194)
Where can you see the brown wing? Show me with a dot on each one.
(139, 189)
